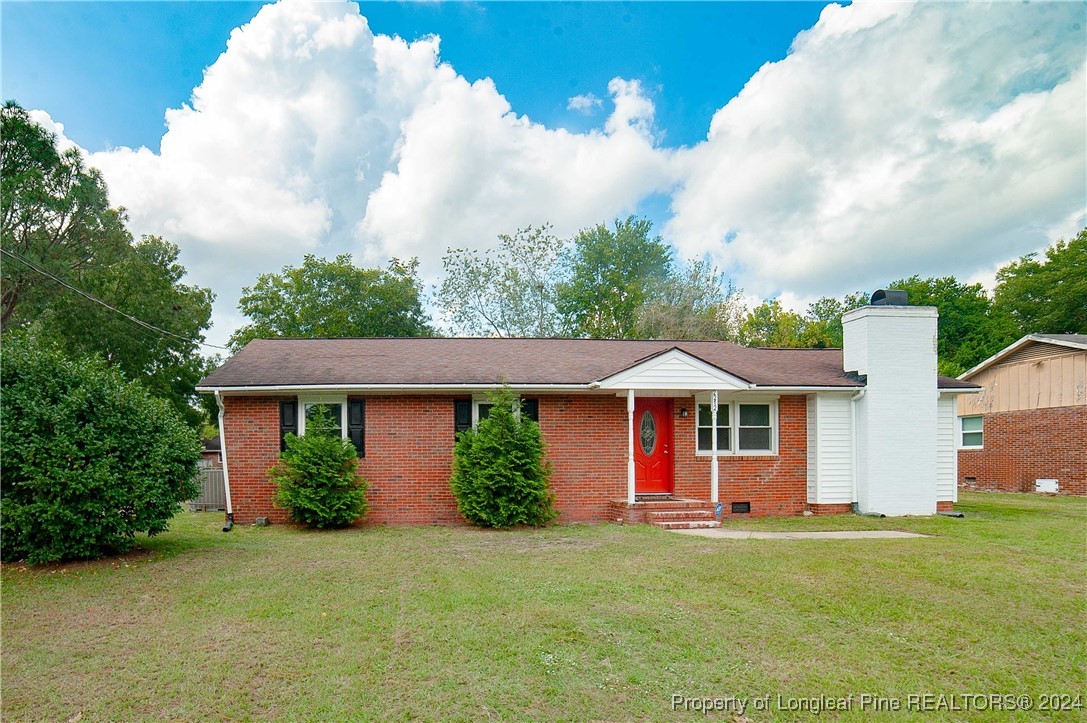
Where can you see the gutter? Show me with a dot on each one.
(856, 460)
(229, 524)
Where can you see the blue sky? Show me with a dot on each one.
(109, 70)
(806, 149)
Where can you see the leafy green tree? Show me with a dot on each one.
(500, 477)
(323, 298)
(508, 292)
(55, 213)
(969, 329)
(609, 275)
(694, 302)
(317, 477)
(1050, 296)
(145, 282)
(771, 324)
(90, 459)
(822, 327)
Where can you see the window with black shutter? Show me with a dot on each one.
(462, 415)
(531, 409)
(288, 422)
(356, 424)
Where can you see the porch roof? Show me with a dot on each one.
(519, 362)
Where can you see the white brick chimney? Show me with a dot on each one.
(895, 348)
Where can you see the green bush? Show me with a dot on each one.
(88, 458)
(500, 478)
(318, 479)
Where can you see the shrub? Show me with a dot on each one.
(500, 478)
(89, 459)
(318, 478)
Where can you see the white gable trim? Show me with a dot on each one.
(1012, 348)
(673, 369)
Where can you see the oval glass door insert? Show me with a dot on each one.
(648, 433)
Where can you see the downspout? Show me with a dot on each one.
(229, 524)
(630, 447)
(859, 395)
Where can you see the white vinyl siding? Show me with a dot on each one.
(947, 457)
(830, 449)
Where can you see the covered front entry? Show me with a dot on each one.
(653, 446)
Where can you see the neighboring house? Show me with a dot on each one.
(210, 453)
(634, 430)
(1027, 430)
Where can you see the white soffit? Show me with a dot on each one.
(673, 369)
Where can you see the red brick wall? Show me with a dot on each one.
(773, 484)
(409, 445)
(1026, 445)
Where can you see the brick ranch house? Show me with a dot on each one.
(634, 430)
(1027, 429)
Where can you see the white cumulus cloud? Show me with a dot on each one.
(586, 103)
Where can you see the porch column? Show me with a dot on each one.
(713, 461)
(630, 446)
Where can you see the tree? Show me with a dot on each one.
(335, 298)
(509, 292)
(145, 282)
(1047, 297)
(969, 329)
(694, 302)
(771, 324)
(823, 320)
(90, 459)
(57, 224)
(317, 477)
(500, 478)
(55, 213)
(608, 276)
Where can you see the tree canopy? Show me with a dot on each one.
(59, 232)
(323, 298)
(506, 292)
(609, 275)
(1050, 296)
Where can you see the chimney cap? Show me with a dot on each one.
(889, 297)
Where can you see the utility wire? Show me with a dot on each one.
(34, 267)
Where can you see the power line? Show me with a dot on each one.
(34, 267)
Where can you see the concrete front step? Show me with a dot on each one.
(686, 524)
(679, 515)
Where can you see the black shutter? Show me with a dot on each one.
(462, 415)
(288, 422)
(531, 409)
(356, 424)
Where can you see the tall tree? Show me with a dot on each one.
(1047, 297)
(823, 320)
(58, 232)
(771, 324)
(323, 298)
(506, 292)
(146, 282)
(609, 274)
(969, 329)
(55, 214)
(694, 302)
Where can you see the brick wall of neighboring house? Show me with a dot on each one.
(409, 454)
(1023, 446)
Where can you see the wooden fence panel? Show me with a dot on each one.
(212, 490)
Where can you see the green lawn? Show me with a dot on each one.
(571, 622)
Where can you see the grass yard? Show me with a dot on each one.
(566, 623)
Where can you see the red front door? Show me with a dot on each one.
(652, 446)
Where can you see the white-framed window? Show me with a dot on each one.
(347, 416)
(973, 432)
(747, 427)
(333, 407)
(468, 412)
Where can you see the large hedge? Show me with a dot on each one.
(500, 477)
(317, 478)
(88, 458)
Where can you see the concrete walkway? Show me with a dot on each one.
(725, 534)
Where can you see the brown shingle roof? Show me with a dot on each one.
(461, 361)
